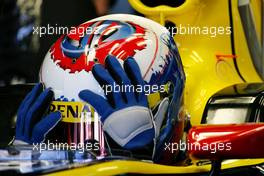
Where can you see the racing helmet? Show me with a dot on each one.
(67, 70)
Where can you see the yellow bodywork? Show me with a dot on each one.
(136, 167)
(205, 72)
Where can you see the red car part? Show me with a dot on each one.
(226, 141)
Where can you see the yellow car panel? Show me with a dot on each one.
(209, 62)
(136, 167)
(244, 59)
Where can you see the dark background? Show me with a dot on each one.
(21, 52)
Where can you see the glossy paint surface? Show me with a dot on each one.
(227, 141)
